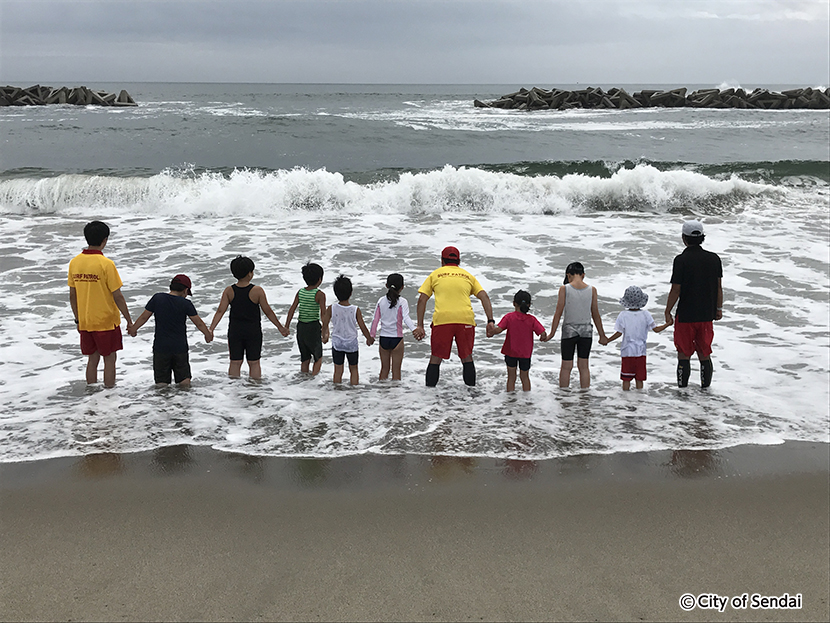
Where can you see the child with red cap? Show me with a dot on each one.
(172, 309)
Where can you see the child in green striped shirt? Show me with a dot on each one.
(310, 303)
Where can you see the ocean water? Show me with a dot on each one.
(368, 180)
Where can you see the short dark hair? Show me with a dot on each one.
(343, 288)
(694, 240)
(241, 266)
(312, 274)
(574, 268)
(96, 232)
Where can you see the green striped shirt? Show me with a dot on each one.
(308, 309)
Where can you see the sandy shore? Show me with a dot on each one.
(188, 533)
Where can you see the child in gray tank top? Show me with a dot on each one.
(576, 308)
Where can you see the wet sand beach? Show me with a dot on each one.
(189, 533)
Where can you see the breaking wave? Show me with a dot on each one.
(523, 188)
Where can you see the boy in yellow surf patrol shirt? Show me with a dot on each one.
(96, 299)
(453, 317)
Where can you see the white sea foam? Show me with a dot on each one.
(450, 189)
(771, 348)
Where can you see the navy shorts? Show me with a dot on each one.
(582, 346)
(522, 362)
(339, 356)
(245, 342)
(166, 365)
(389, 343)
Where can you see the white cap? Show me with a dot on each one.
(693, 228)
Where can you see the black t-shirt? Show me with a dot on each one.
(697, 271)
(171, 314)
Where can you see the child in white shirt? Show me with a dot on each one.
(391, 314)
(633, 325)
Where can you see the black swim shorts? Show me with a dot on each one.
(166, 365)
(582, 346)
(522, 362)
(245, 342)
(339, 356)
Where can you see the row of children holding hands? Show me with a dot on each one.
(340, 322)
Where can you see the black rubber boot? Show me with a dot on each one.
(469, 373)
(684, 371)
(433, 371)
(706, 373)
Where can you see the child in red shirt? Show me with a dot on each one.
(518, 345)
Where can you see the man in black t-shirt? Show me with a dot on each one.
(170, 341)
(696, 283)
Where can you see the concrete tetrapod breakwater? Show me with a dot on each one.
(619, 99)
(42, 95)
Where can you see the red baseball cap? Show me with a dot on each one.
(183, 280)
(451, 255)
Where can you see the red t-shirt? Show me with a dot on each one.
(520, 329)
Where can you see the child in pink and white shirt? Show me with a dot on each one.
(391, 314)
(518, 345)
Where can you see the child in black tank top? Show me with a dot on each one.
(244, 329)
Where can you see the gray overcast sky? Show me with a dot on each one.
(422, 41)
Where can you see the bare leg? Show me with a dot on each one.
(338, 373)
(565, 373)
(626, 385)
(584, 372)
(305, 366)
(525, 376)
(235, 369)
(315, 369)
(397, 360)
(385, 363)
(511, 379)
(184, 383)
(254, 369)
(109, 369)
(92, 367)
(638, 384)
(354, 375)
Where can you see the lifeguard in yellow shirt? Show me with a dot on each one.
(453, 318)
(96, 299)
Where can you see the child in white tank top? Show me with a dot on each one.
(345, 319)
(576, 307)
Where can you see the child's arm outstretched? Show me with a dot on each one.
(320, 297)
(224, 302)
(663, 327)
(200, 324)
(596, 317)
(610, 339)
(363, 328)
(557, 315)
(258, 296)
(291, 310)
(144, 317)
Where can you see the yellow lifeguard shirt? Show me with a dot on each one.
(95, 278)
(452, 287)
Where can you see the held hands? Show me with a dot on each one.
(603, 340)
(370, 340)
(419, 333)
(209, 336)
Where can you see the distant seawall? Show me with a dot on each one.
(42, 95)
(619, 99)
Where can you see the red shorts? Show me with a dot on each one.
(694, 337)
(102, 342)
(442, 337)
(633, 368)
